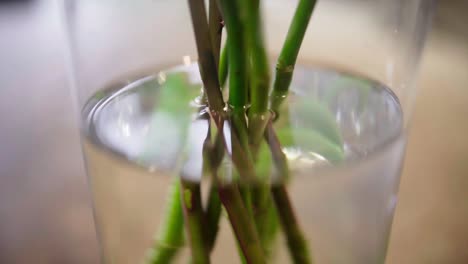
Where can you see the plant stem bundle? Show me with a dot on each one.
(254, 207)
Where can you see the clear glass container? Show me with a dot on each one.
(348, 112)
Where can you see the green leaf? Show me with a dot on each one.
(176, 94)
(171, 232)
(316, 116)
(363, 87)
(264, 163)
(311, 141)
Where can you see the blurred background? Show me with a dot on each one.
(45, 214)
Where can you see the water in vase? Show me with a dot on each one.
(344, 201)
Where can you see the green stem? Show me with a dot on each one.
(238, 92)
(242, 224)
(194, 222)
(223, 65)
(288, 56)
(241, 157)
(258, 117)
(216, 28)
(297, 242)
(259, 83)
(244, 167)
(279, 158)
(206, 59)
(260, 73)
(239, 133)
(213, 214)
(259, 66)
(246, 193)
(212, 157)
(170, 236)
(232, 200)
(266, 219)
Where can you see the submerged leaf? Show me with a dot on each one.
(311, 141)
(315, 116)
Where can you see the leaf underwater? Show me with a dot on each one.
(317, 132)
(318, 118)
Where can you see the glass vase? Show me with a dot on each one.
(340, 134)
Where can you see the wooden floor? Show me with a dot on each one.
(45, 214)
